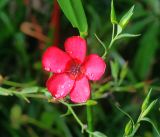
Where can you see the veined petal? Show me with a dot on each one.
(59, 85)
(55, 60)
(95, 67)
(81, 91)
(76, 47)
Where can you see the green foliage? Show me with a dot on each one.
(27, 108)
(74, 11)
(98, 134)
(131, 128)
(125, 19)
(148, 46)
(113, 14)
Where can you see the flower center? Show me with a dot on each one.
(74, 69)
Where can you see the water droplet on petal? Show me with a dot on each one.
(62, 87)
(47, 69)
(59, 70)
(56, 95)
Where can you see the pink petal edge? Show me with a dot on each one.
(59, 85)
(81, 91)
(95, 67)
(54, 60)
(75, 46)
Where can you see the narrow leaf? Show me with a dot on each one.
(91, 103)
(113, 14)
(125, 19)
(146, 101)
(114, 69)
(149, 108)
(98, 134)
(151, 122)
(74, 11)
(119, 29)
(127, 35)
(123, 73)
(128, 128)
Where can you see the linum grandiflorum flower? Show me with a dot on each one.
(72, 70)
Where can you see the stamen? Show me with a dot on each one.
(75, 70)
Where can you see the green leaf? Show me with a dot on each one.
(129, 128)
(152, 123)
(74, 11)
(114, 69)
(5, 92)
(113, 14)
(29, 90)
(152, 104)
(125, 19)
(127, 35)
(123, 73)
(146, 101)
(91, 103)
(98, 134)
(119, 29)
(146, 52)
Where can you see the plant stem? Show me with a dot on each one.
(113, 30)
(90, 119)
(74, 115)
(16, 84)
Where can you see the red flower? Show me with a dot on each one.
(72, 70)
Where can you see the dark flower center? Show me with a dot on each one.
(75, 69)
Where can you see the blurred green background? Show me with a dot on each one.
(21, 48)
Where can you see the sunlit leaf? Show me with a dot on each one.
(126, 35)
(113, 14)
(148, 109)
(129, 128)
(98, 134)
(146, 101)
(73, 10)
(125, 19)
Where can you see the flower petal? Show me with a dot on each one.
(95, 67)
(75, 46)
(54, 60)
(81, 91)
(59, 85)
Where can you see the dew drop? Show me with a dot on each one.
(69, 85)
(47, 68)
(59, 70)
(62, 87)
(70, 52)
(57, 95)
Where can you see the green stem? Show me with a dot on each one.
(113, 31)
(90, 119)
(15, 84)
(74, 115)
